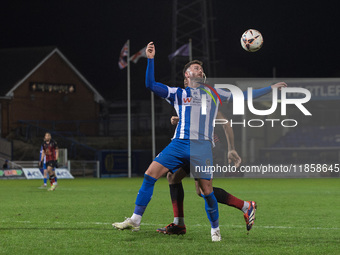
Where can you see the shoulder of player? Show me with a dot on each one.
(179, 92)
(54, 142)
(175, 89)
(224, 89)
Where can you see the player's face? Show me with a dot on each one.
(195, 71)
(47, 137)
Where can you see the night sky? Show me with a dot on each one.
(300, 38)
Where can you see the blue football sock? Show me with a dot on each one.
(211, 207)
(144, 194)
(55, 178)
(45, 181)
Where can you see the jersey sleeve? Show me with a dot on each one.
(223, 94)
(258, 92)
(158, 88)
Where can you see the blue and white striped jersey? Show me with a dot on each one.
(193, 124)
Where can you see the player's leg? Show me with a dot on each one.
(201, 159)
(226, 198)
(247, 207)
(168, 159)
(177, 197)
(152, 174)
(52, 176)
(223, 197)
(211, 207)
(177, 194)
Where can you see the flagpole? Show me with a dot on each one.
(129, 109)
(190, 49)
(153, 131)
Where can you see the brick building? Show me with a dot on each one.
(40, 85)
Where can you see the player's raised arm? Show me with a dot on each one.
(263, 91)
(158, 88)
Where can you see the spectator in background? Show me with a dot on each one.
(5, 165)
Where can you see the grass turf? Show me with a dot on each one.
(294, 216)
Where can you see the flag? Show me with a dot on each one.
(122, 63)
(182, 51)
(138, 55)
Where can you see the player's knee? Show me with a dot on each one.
(197, 189)
(206, 191)
(198, 192)
(170, 177)
(205, 187)
(156, 170)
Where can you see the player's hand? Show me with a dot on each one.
(40, 164)
(279, 85)
(150, 50)
(233, 157)
(174, 120)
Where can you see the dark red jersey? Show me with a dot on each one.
(50, 150)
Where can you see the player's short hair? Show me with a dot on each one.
(48, 133)
(187, 65)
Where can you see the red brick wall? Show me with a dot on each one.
(79, 105)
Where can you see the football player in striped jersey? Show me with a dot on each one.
(191, 144)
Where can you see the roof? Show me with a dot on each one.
(17, 64)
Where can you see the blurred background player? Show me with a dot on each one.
(43, 169)
(51, 152)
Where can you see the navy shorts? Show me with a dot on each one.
(51, 163)
(184, 152)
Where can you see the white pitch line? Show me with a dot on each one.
(154, 224)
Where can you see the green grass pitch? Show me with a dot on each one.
(294, 216)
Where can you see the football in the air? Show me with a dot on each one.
(252, 40)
